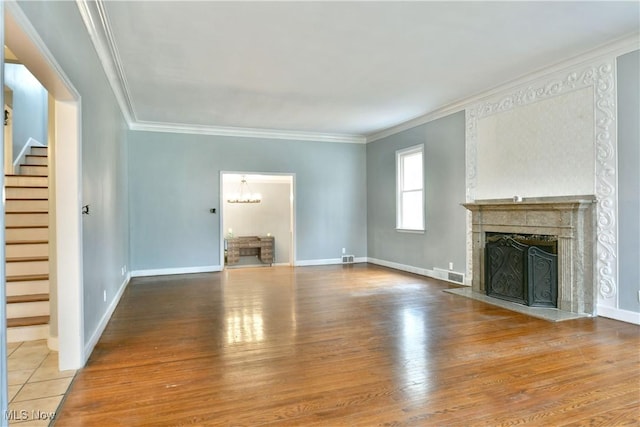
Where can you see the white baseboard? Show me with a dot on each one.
(53, 343)
(172, 271)
(619, 314)
(330, 261)
(88, 347)
(415, 270)
(402, 267)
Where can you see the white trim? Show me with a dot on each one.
(619, 314)
(31, 142)
(617, 47)
(53, 343)
(95, 337)
(96, 21)
(400, 156)
(329, 261)
(402, 267)
(246, 132)
(415, 270)
(179, 270)
(68, 195)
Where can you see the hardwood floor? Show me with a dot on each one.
(358, 345)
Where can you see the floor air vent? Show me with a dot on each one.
(347, 259)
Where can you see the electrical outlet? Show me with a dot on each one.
(104, 296)
(122, 271)
(344, 251)
(450, 266)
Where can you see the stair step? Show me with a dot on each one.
(23, 192)
(36, 159)
(26, 205)
(14, 299)
(27, 277)
(27, 287)
(22, 248)
(38, 170)
(26, 181)
(27, 321)
(39, 150)
(28, 333)
(23, 266)
(26, 219)
(27, 309)
(40, 232)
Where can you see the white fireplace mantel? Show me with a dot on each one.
(571, 219)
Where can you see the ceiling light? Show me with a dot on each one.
(244, 195)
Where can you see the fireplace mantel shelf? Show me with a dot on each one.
(531, 202)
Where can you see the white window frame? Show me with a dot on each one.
(400, 155)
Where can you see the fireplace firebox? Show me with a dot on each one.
(522, 268)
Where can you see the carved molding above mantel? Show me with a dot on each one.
(572, 219)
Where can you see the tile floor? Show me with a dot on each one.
(36, 387)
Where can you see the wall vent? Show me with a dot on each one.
(347, 259)
(456, 277)
(449, 275)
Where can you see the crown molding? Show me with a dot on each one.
(97, 24)
(616, 47)
(246, 132)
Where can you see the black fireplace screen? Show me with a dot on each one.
(522, 268)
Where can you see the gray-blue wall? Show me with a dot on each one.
(444, 239)
(174, 179)
(29, 107)
(104, 156)
(629, 180)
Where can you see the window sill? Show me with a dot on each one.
(410, 231)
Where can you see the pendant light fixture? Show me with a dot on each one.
(244, 195)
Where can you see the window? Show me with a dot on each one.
(410, 193)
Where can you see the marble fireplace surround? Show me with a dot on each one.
(571, 219)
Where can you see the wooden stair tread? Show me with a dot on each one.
(27, 321)
(26, 186)
(26, 199)
(36, 155)
(27, 258)
(27, 278)
(26, 175)
(27, 212)
(16, 227)
(26, 242)
(27, 298)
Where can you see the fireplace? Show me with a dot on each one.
(568, 222)
(522, 268)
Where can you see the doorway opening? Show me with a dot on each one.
(257, 233)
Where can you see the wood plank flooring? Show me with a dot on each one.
(356, 345)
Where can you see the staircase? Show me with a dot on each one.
(27, 249)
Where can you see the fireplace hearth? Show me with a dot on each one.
(563, 227)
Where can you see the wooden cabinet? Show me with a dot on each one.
(263, 247)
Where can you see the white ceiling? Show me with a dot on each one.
(334, 68)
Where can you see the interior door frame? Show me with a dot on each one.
(292, 207)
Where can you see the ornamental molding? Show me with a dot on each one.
(600, 76)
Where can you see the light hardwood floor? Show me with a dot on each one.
(356, 345)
